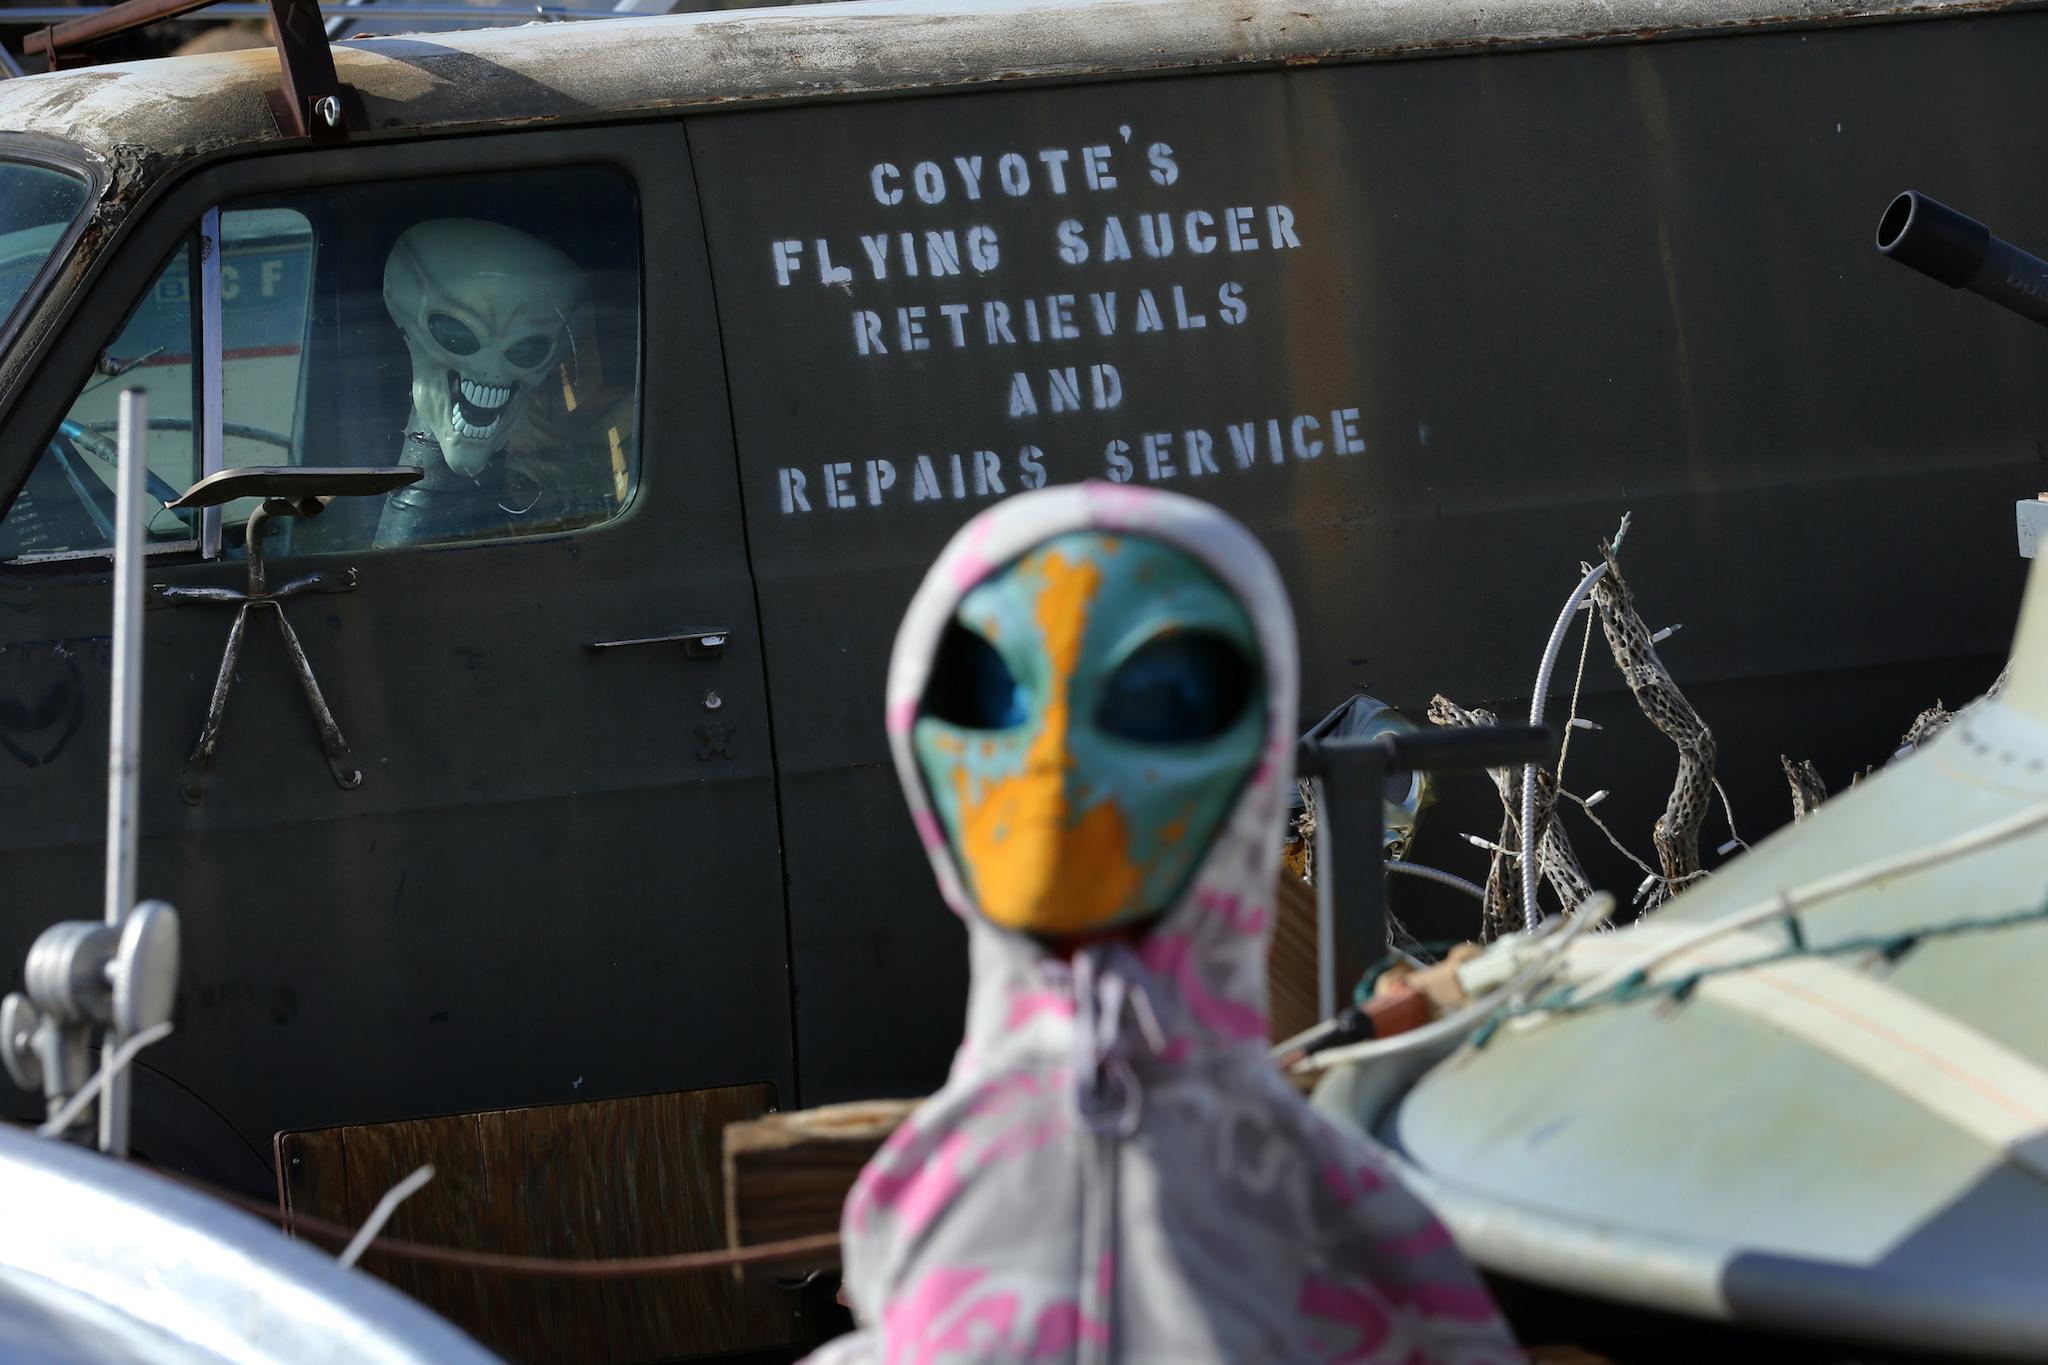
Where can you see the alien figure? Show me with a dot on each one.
(485, 310)
(1091, 708)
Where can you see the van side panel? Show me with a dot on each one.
(1431, 328)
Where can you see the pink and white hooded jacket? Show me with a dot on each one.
(1115, 1170)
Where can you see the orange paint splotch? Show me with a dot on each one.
(1035, 866)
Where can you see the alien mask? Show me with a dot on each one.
(1094, 710)
(485, 311)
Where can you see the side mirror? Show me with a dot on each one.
(307, 489)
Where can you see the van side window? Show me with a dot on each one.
(67, 504)
(485, 330)
(266, 288)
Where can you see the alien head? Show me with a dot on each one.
(485, 311)
(1094, 711)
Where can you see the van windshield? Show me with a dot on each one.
(37, 204)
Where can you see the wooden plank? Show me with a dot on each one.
(1291, 985)
(378, 1157)
(312, 1174)
(565, 1318)
(563, 1193)
(667, 1198)
(787, 1175)
(597, 1180)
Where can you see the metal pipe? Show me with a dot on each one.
(124, 727)
(105, 23)
(124, 724)
(212, 434)
(1532, 913)
(1326, 906)
(1959, 251)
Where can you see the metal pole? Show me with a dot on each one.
(1351, 872)
(211, 428)
(124, 724)
(1326, 906)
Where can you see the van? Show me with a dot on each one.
(706, 331)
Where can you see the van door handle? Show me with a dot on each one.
(697, 644)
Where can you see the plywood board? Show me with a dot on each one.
(607, 1178)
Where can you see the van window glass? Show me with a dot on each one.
(266, 303)
(67, 504)
(484, 329)
(36, 205)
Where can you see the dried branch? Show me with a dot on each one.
(1677, 831)
(1555, 860)
(1808, 791)
(1925, 726)
(1936, 718)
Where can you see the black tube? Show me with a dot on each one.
(1486, 746)
(1959, 251)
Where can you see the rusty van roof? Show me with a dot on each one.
(142, 118)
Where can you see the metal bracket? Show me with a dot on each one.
(312, 103)
(1351, 779)
(286, 492)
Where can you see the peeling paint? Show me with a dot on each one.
(141, 120)
(185, 108)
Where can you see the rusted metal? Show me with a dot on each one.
(299, 493)
(600, 70)
(311, 101)
(107, 23)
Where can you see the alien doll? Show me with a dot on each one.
(485, 312)
(1091, 708)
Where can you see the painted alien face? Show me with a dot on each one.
(1094, 711)
(485, 311)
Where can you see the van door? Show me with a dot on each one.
(536, 859)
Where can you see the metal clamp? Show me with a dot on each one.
(85, 977)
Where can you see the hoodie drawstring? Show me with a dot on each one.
(1109, 982)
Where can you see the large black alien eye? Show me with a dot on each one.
(1177, 689)
(971, 686)
(530, 351)
(453, 335)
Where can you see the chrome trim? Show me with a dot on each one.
(211, 433)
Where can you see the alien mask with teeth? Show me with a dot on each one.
(485, 312)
